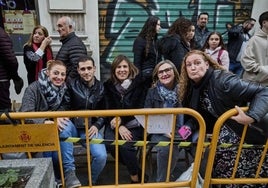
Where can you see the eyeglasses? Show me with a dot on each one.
(167, 70)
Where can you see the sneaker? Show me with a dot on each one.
(71, 181)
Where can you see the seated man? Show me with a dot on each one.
(86, 93)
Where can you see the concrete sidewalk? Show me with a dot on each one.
(107, 176)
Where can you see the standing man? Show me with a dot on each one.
(86, 93)
(8, 70)
(72, 46)
(238, 37)
(255, 57)
(201, 30)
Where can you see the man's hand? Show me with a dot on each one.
(62, 123)
(125, 133)
(93, 130)
(241, 117)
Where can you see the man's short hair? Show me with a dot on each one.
(85, 58)
(263, 17)
(202, 13)
(248, 20)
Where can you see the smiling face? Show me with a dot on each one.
(166, 75)
(202, 20)
(86, 71)
(196, 67)
(57, 75)
(122, 71)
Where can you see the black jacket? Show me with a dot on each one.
(72, 48)
(145, 64)
(225, 90)
(83, 97)
(235, 40)
(174, 49)
(8, 61)
(132, 99)
(30, 60)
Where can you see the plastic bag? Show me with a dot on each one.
(187, 175)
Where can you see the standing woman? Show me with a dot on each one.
(125, 90)
(215, 48)
(36, 52)
(145, 49)
(178, 41)
(164, 94)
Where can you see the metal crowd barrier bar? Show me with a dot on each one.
(22, 116)
(209, 180)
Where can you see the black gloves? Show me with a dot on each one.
(18, 84)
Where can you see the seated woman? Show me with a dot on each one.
(125, 90)
(164, 94)
(209, 89)
(48, 93)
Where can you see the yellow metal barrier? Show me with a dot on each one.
(52, 137)
(212, 152)
(30, 138)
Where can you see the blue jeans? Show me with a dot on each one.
(162, 157)
(98, 151)
(235, 67)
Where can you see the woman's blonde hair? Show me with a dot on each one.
(184, 79)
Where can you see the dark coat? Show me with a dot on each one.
(225, 90)
(144, 63)
(8, 60)
(235, 41)
(30, 59)
(133, 99)
(83, 97)
(72, 48)
(174, 49)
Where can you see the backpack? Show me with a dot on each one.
(219, 55)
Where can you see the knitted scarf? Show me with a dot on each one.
(170, 96)
(40, 64)
(52, 93)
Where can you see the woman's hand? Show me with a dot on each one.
(113, 122)
(241, 117)
(125, 133)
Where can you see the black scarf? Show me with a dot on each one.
(197, 89)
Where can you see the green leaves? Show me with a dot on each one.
(9, 177)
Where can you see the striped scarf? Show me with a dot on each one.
(52, 93)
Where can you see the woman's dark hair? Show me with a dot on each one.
(206, 44)
(133, 70)
(181, 27)
(148, 31)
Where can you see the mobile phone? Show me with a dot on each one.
(185, 132)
